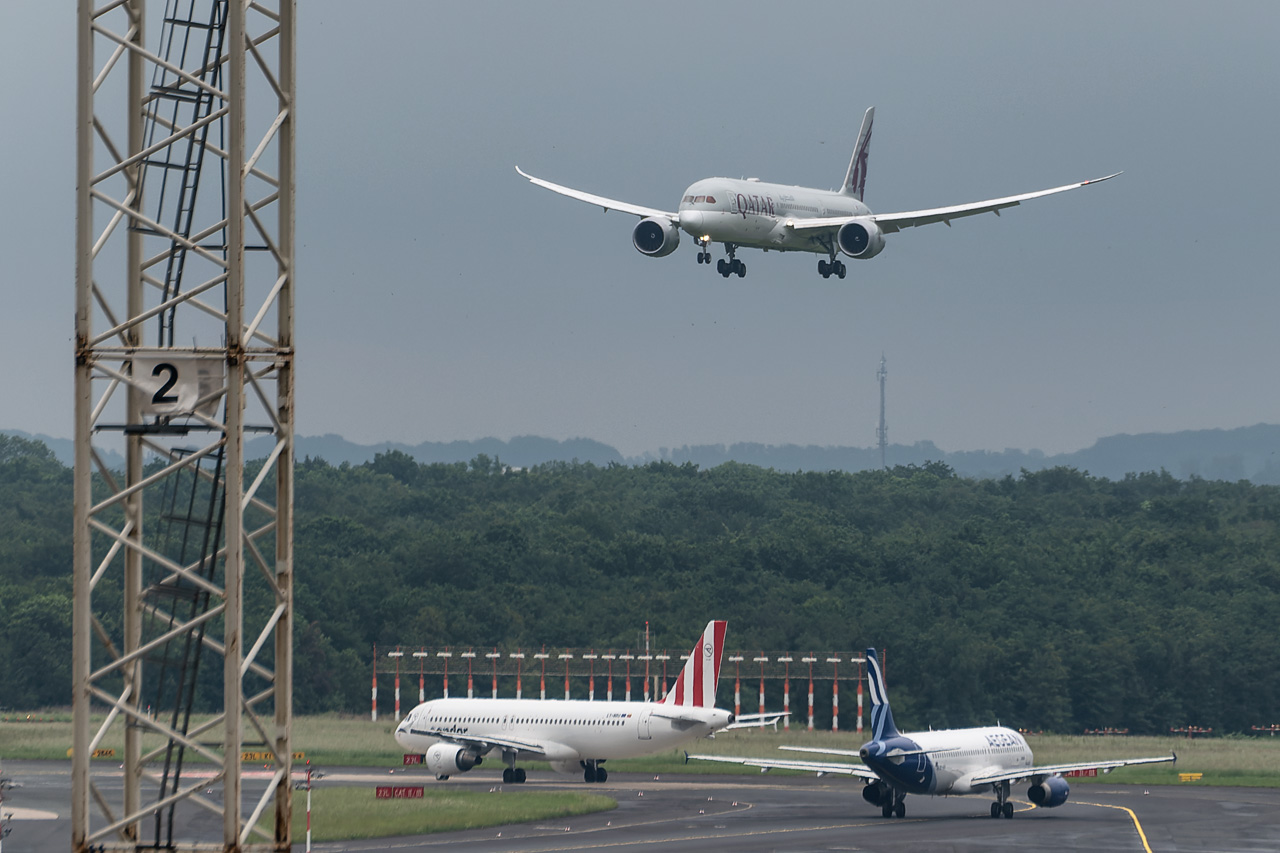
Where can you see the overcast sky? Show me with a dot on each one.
(442, 297)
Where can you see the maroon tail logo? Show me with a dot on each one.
(858, 174)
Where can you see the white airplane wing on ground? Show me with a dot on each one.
(1058, 769)
(600, 201)
(483, 744)
(822, 768)
(756, 721)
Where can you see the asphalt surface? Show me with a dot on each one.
(761, 813)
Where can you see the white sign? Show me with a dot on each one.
(171, 384)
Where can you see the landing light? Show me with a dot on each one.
(706, 238)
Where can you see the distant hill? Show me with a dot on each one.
(1247, 453)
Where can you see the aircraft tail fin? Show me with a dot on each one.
(696, 686)
(855, 180)
(881, 716)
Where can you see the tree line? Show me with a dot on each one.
(1053, 600)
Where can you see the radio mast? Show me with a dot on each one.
(882, 431)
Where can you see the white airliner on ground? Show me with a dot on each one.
(456, 734)
(940, 763)
(751, 214)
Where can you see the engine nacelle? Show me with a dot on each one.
(861, 239)
(656, 237)
(445, 759)
(1049, 793)
(877, 793)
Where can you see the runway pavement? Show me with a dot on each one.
(766, 813)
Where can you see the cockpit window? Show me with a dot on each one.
(711, 199)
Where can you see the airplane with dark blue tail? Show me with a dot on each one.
(948, 762)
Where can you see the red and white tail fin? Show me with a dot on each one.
(696, 686)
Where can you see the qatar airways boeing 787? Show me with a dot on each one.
(751, 214)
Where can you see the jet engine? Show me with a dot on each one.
(861, 238)
(1049, 793)
(656, 237)
(445, 759)
(877, 793)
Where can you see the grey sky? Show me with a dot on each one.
(442, 297)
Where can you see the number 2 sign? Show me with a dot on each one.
(172, 384)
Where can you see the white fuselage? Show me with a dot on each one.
(564, 730)
(752, 213)
(951, 759)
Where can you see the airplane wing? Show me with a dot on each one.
(600, 201)
(893, 222)
(483, 745)
(1058, 769)
(854, 752)
(755, 721)
(822, 768)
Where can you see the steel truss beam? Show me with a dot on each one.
(209, 109)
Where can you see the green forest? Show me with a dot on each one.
(1053, 601)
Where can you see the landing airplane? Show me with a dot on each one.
(939, 763)
(456, 734)
(755, 215)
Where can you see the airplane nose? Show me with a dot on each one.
(691, 221)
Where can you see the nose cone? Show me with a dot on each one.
(691, 222)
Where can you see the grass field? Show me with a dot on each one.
(336, 740)
(340, 814)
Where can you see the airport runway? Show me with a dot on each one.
(764, 813)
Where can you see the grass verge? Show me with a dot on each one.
(342, 814)
(333, 740)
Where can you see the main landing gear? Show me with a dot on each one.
(726, 268)
(836, 268)
(895, 807)
(512, 775)
(1002, 807)
(593, 772)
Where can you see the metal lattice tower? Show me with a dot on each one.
(882, 431)
(184, 225)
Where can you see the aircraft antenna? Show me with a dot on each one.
(882, 431)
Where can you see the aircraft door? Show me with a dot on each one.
(644, 732)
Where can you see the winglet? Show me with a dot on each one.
(882, 726)
(855, 180)
(696, 685)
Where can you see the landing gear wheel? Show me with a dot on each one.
(602, 775)
(995, 810)
(886, 810)
(740, 268)
(507, 775)
(900, 810)
(824, 269)
(840, 270)
(722, 267)
(519, 776)
(1008, 810)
